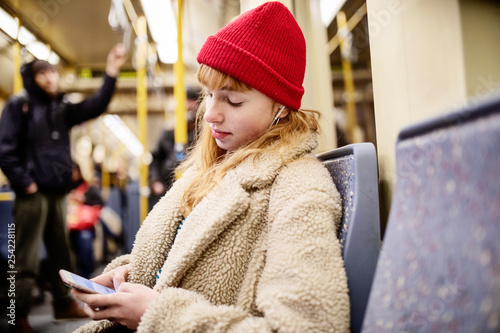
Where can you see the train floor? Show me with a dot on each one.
(41, 317)
(42, 320)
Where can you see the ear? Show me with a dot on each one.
(284, 113)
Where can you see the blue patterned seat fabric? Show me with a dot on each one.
(342, 172)
(439, 268)
(354, 171)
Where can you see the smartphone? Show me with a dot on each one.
(82, 284)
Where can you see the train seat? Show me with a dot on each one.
(439, 267)
(355, 174)
(6, 218)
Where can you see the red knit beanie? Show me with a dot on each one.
(263, 48)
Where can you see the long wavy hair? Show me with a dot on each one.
(212, 162)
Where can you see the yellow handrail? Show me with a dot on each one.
(141, 57)
(180, 91)
(18, 82)
(348, 76)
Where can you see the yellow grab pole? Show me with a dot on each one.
(105, 179)
(180, 93)
(18, 82)
(348, 77)
(351, 24)
(141, 56)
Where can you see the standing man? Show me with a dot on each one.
(35, 157)
(165, 159)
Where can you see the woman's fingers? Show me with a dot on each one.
(126, 306)
(120, 276)
(113, 278)
(97, 313)
(96, 300)
(127, 287)
(104, 279)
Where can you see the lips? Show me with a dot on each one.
(219, 135)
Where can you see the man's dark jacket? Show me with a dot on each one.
(34, 134)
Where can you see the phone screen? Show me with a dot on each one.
(89, 284)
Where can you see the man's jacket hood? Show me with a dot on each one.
(29, 83)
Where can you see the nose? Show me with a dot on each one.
(213, 112)
(51, 77)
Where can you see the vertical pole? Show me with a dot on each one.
(180, 93)
(141, 57)
(348, 77)
(105, 178)
(18, 82)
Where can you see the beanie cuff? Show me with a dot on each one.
(244, 66)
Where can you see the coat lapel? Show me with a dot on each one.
(209, 218)
(221, 207)
(157, 233)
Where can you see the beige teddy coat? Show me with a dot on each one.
(257, 254)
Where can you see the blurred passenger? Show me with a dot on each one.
(84, 208)
(165, 159)
(245, 240)
(35, 157)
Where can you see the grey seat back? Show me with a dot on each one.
(439, 268)
(354, 171)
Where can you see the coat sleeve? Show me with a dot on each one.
(117, 262)
(303, 287)
(12, 162)
(93, 106)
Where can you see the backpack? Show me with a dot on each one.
(24, 100)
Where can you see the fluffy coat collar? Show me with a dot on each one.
(223, 205)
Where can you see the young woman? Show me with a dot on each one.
(245, 240)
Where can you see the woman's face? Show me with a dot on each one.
(237, 118)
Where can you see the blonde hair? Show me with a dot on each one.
(212, 162)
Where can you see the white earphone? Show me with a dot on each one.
(277, 118)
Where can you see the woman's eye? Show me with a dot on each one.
(235, 104)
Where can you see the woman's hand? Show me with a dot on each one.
(114, 278)
(126, 306)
